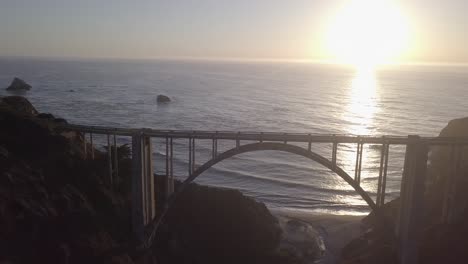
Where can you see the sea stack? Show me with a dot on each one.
(18, 85)
(163, 99)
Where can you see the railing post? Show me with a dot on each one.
(92, 146)
(358, 167)
(449, 201)
(109, 161)
(84, 146)
(169, 168)
(143, 189)
(190, 158)
(116, 160)
(149, 176)
(382, 174)
(334, 152)
(412, 200)
(137, 187)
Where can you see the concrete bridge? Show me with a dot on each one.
(407, 230)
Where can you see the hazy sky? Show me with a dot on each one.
(276, 29)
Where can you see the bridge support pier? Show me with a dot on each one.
(143, 192)
(169, 177)
(412, 200)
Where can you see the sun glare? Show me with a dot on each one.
(366, 33)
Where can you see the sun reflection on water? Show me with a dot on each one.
(361, 107)
(360, 110)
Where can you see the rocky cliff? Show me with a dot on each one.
(54, 207)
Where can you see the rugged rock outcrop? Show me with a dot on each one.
(18, 85)
(443, 160)
(54, 207)
(163, 99)
(301, 239)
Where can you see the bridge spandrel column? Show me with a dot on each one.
(150, 181)
(412, 200)
(137, 190)
(143, 190)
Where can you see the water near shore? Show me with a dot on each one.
(288, 97)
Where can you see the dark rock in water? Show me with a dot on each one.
(163, 99)
(214, 225)
(18, 84)
(19, 104)
(71, 91)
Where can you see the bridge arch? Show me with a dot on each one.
(262, 146)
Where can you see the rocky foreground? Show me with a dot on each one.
(57, 207)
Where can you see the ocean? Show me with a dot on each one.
(256, 96)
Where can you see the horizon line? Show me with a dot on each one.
(226, 59)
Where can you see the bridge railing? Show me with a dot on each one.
(266, 136)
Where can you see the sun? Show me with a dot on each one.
(366, 33)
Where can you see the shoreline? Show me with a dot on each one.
(334, 231)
